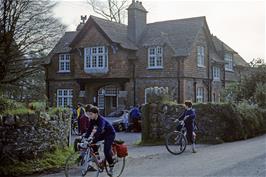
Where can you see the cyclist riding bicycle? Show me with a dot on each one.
(188, 117)
(100, 129)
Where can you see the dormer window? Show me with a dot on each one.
(228, 57)
(64, 63)
(155, 57)
(200, 56)
(96, 59)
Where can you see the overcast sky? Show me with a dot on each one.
(240, 24)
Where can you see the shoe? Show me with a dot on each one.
(90, 168)
(111, 171)
(193, 148)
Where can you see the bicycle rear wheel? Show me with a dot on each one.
(175, 142)
(119, 165)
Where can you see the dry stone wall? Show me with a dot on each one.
(28, 136)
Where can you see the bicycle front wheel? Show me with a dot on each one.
(119, 165)
(89, 167)
(175, 142)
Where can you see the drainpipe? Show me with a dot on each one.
(178, 81)
(209, 80)
(195, 90)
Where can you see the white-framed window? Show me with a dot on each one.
(216, 73)
(228, 57)
(155, 57)
(96, 59)
(200, 95)
(64, 97)
(64, 63)
(200, 56)
(145, 95)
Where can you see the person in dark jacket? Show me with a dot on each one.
(135, 117)
(188, 117)
(101, 129)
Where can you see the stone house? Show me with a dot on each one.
(111, 64)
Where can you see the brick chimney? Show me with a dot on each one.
(137, 20)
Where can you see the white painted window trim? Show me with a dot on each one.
(64, 59)
(156, 55)
(145, 95)
(88, 59)
(216, 73)
(200, 95)
(200, 56)
(229, 62)
(68, 96)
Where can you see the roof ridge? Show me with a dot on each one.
(98, 18)
(181, 19)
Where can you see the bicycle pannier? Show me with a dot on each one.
(121, 150)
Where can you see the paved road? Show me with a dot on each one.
(241, 158)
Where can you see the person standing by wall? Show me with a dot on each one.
(80, 112)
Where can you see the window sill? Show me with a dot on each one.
(154, 68)
(63, 72)
(201, 66)
(96, 70)
(229, 70)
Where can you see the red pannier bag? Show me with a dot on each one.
(121, 149)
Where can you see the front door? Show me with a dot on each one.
(107, 99)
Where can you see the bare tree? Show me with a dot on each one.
(113, 10)
(257, 62)
(28, 31)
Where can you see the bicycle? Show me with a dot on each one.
(176, 141)
(86, 162)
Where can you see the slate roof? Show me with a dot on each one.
(116, 32)
(220, 45)
(179, 34)
(63, 44)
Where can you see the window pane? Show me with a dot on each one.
(152, 61)
(100, 61)
(62, 66)
(94, 61)
(152, 51)
(159, 50)
(100, 49)
(94, 50)
(159, 61)
(60, 92)
(67, 65)
(87, 61)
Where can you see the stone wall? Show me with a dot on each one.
(28, 136)
(216, 123)
(158, 121)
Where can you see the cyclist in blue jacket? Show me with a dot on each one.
(188, 117)
(100, 129)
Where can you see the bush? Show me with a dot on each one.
(49, 162)
(229, 122)
(260, 94)
(7, 104)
